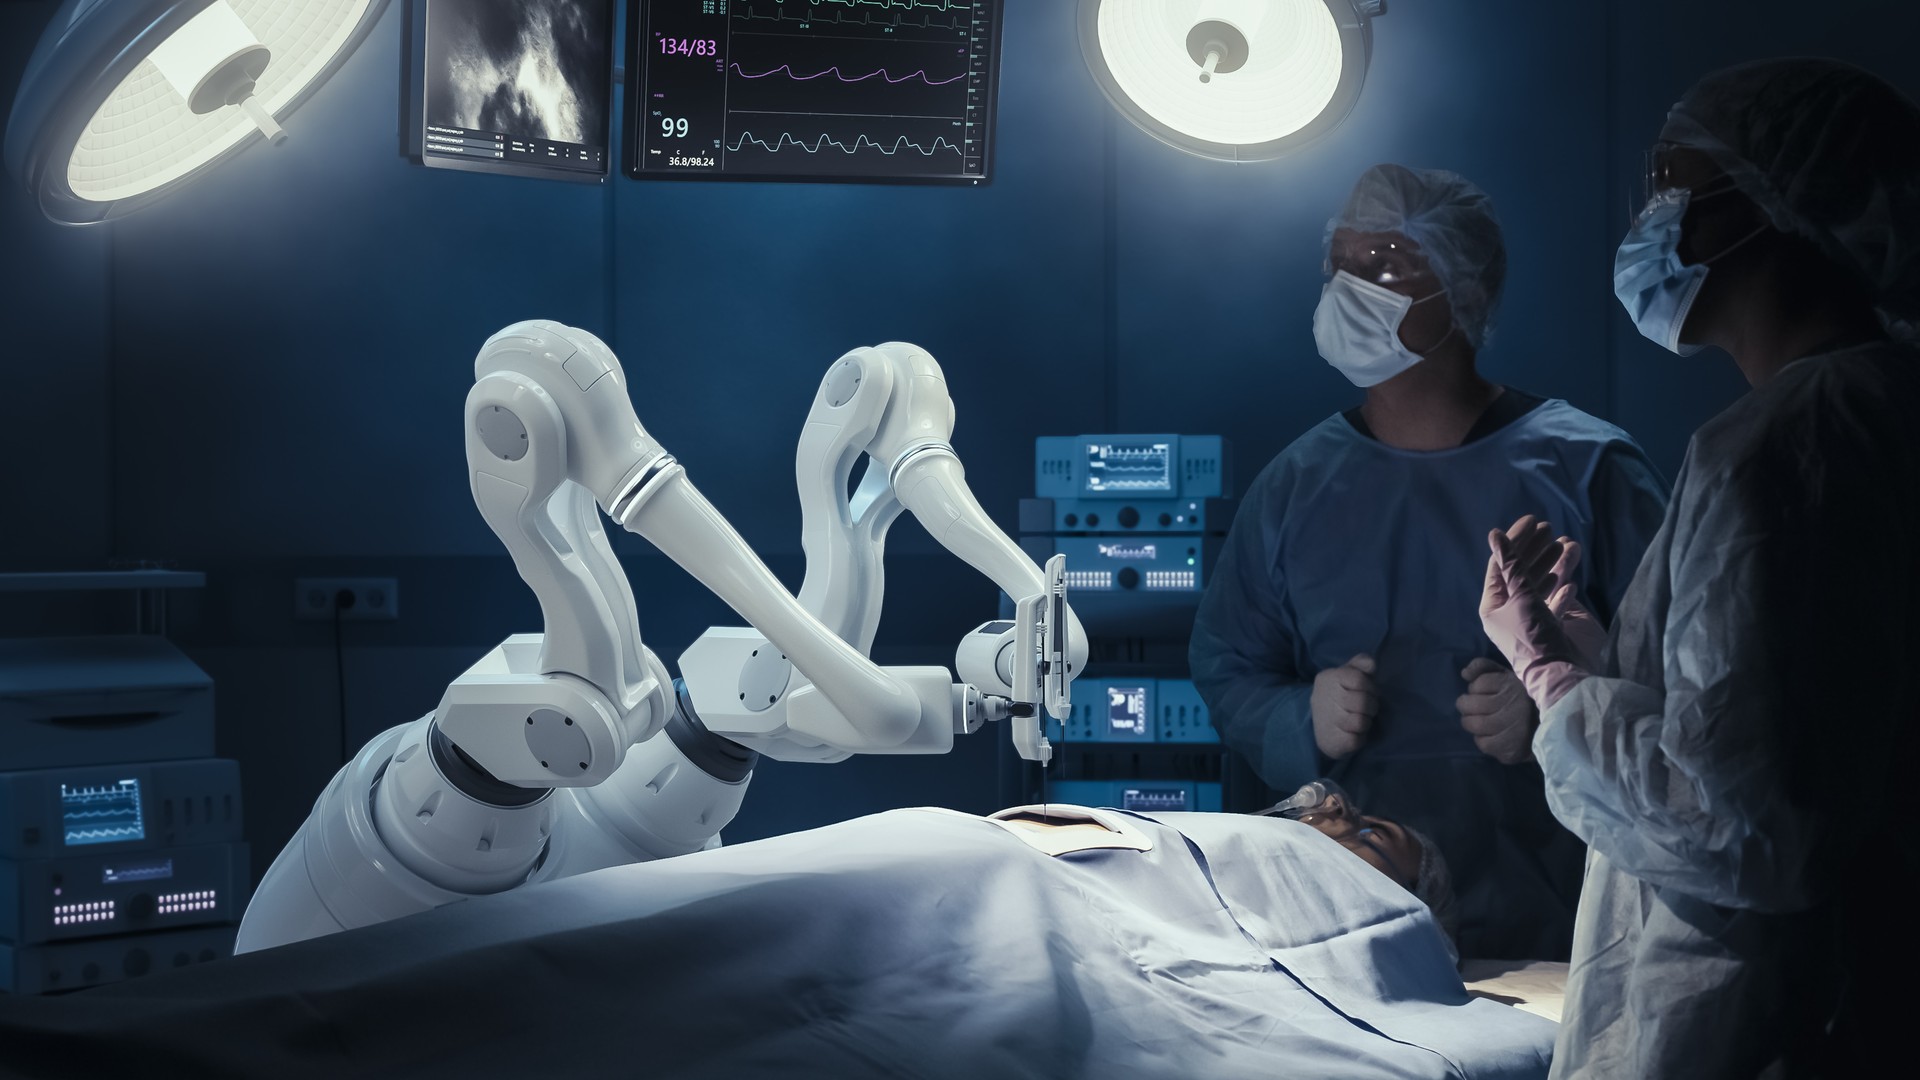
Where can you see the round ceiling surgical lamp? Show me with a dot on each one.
(126, 100)
(1237, 80)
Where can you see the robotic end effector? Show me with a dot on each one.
(1029, 656)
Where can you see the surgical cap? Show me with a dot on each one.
(1453, 222)
(1830, 153)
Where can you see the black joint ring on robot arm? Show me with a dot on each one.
(472, 780)
(716, 755)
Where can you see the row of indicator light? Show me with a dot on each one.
(1171, 579)
(1089, 579)
(175, 903)
(75, 914)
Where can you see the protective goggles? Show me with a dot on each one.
(1656, 179)
(1387, 264)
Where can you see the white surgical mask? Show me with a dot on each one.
(1357, 327)
(1655, 287)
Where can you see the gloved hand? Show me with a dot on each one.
(1496, 711)
(1514, 611)
(1344, 703)
(1584, 632)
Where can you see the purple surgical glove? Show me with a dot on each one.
(1521, 575)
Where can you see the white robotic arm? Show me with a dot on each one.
(542, 760)
(884, 409)
(550, 405)
(889, 406)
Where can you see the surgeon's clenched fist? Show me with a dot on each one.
(1496, 711)
(1344, 703)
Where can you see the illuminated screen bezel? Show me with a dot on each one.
(1167, 488)
(116, 779)
(1145, 716)
(638, 12)
(417, 106)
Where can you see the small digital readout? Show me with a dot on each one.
(1127, 711)
(122, 873)
(1151, 799)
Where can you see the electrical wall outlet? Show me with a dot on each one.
(357, 598)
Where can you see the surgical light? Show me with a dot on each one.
(125, 100)
(1238, 80)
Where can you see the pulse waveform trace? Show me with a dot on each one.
(904, 90)
(824, 140)
(836, 73)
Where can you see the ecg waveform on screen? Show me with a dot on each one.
(936, 5)
(102, 814)
(824, 141)
(838, 74)
(851, 18)
(886, 90)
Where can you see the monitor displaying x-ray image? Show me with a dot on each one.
(523, 87)
(895, 91)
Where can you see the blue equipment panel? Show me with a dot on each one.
(1113, 467)
(1127, 483)
(1138, 711)
(1145, 796)
(91, 894)
(70, 965)
(1119, 565)
(1181, 715)
(118, 808)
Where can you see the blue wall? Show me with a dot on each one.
(262, 376)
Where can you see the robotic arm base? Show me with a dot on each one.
(344, 870)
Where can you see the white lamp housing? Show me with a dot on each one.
(215, 61)
(1238, 80)
(124, 100)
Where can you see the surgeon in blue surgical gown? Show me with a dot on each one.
(1339, 633)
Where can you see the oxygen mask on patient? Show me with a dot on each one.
(1315, 798)
(1326, 806)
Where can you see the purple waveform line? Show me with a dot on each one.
(835, 70)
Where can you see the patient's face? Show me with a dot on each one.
(1382, 844)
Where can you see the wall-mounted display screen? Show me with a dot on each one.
(515, 86)
(845, 90)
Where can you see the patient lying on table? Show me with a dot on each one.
(910, 943)
(1408, 857)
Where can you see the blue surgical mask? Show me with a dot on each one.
(1357, 327)
(1655, 287)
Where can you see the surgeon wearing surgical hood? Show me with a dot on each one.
(1339, 632)
(1731, 752)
